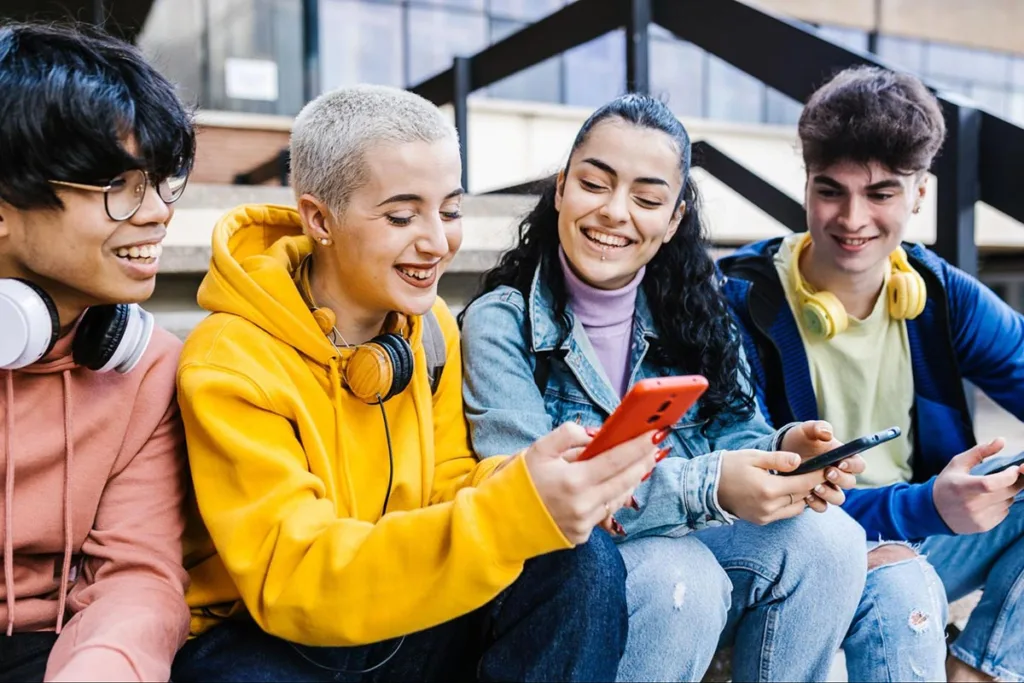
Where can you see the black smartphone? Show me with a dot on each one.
(845, 451)
(998, 463)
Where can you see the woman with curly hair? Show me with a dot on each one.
(611, 282)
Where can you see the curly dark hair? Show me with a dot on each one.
(697, 334)
(866, 114)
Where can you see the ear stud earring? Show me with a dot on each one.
(324, 241)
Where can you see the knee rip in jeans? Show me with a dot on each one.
(678, 594)
(899, 552)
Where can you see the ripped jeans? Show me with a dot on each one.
(898, 633)
(782, 594)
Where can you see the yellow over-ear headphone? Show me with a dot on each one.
(376, 370)
(824, 315)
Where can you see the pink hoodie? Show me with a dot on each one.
(94, 484)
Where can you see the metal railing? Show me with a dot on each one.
(977, 162)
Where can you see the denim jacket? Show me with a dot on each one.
(507, 411)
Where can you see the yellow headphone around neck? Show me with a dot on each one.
(376, 370)
(824, 315)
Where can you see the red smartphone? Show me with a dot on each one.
(654, 403)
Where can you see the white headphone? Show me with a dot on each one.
(108, 338)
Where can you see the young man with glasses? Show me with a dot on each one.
(94, 149)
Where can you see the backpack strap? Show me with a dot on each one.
(434, 349)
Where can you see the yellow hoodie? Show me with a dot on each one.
(290, 470)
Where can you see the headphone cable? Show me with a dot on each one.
(387, 497)
(391, 456)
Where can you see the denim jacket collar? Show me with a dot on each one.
(576, 351)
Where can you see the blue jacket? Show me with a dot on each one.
(509, 404)
(965, 333)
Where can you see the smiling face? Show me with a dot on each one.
(616, 204)
(396, 234)
(857, 215)
(79, 255)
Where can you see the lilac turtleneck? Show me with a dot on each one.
(607, 318)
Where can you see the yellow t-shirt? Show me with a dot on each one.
(863, 380)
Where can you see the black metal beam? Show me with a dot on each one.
(276, 167)
(638, 40)
(750, 186)
(1001, 152)
(569, 27)
(310, 49)
(460, 72)
(959, 189)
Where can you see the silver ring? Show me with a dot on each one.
(792, 500)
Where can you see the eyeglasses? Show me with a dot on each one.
(123, 197)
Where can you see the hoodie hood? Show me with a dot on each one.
(256, 250)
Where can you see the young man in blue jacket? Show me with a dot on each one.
(848, 324)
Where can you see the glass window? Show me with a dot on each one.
(732, 94)
(360, 43)
(1017, 71)
(463, 4)
(542, 82)
(781, 109)
(902, 53)
(855, 39)
(596, 71)
(677, 75)
(263, 30)
(526, 10)
(967, 63)
(172, 40)
(1016, 108)
(436, 36)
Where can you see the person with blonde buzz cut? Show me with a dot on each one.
(343, 529)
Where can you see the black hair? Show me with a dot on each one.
(697, 334)
(70, 96)
(866, 114)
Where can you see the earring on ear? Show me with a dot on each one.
(324, 241)
(917, 209)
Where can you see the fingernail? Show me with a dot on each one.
(844, 466)
(793, 459)
(591, 431)
(832, 475)
(809, 499)
(617, 528)
(633, 503)
(661, 454)
(827, 433)
(819, 489)
(660, 436)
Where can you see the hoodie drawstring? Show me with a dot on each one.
(69, 454)
(9, 503)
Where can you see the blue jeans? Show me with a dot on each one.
(564, 619)
(899, 631)
(783, 595)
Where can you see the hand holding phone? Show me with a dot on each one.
(656, 403)
(845, 451)
(970, 503)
